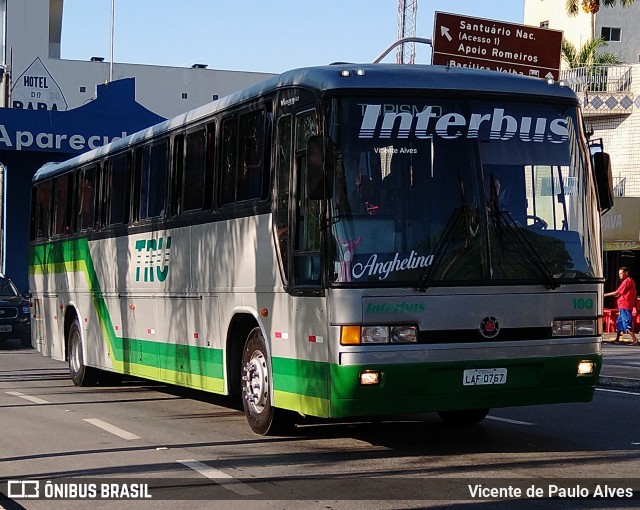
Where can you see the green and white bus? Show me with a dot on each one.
(335, 242)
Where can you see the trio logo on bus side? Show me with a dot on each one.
(152, 261)
(431, 120)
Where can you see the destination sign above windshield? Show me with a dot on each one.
(476, 43)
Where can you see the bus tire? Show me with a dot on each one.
(463, 417)
(263, 417)
(81, 375)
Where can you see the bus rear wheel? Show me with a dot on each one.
(263, 417)
(463, 417)
(81, 375)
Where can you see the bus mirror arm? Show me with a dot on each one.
(320, 157)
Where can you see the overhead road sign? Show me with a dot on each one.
(464, 41)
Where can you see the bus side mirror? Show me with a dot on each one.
(604, 180)
(319, 167)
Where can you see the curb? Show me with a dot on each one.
(619, 382)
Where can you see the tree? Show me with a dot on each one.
(587, 55)
(593, 6)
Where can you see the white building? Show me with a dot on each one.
(617, 25)
(31, 39)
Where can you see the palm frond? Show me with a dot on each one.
(572, 7)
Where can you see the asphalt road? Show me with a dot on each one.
(194, 450)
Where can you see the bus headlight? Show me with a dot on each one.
(404, 334)
(375, 335)
(378, 334)
(575, 327)
(586, 327)
(562, 328)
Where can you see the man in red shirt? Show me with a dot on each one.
(626, 296)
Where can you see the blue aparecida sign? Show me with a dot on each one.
(112, 115)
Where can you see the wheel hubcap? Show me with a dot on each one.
(256, 382)
(74, 357)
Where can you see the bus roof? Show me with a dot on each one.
(330, 78)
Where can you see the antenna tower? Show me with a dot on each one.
(406, 53)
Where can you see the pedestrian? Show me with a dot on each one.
(626, 296)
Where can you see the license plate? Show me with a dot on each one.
(5, 328)
(482, 376)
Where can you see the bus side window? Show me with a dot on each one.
(194, 172)
(283, 166)
(251, 166)
(118, 190)
(307, 240)
(41, 215)
(244, 157)
(228, 168)
(153, 180)
(209, 166)
(85, 198)
(177, 177)
(62, 204)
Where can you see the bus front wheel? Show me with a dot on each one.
(464, 417)
(263, 417)
(81, 375)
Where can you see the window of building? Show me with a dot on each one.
(611, 34)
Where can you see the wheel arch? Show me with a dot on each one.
(70, 315)
(241, 324)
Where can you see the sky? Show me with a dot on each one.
(268, 36)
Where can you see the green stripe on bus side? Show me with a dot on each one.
(302, 386)
(180, 364)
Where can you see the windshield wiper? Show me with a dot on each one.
(424, 281)
(506, 221)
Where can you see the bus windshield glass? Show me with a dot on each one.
(434, 192)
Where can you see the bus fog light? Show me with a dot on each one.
(562, 328)
(404, 334)
(375, 335)
(586, 367)
(369, 378)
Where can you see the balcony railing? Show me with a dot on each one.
(598, 78)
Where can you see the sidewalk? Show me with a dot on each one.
(620, 363)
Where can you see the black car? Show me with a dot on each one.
(15, 314)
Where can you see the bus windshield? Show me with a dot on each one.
(434, 192)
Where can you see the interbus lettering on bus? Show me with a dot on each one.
(502, 126)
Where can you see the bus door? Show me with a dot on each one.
(306, 212)
(298, 221)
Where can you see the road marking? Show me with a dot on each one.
(618, 391)
(35, 400)
(507, 420)
(111, 428)
(225, 480)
